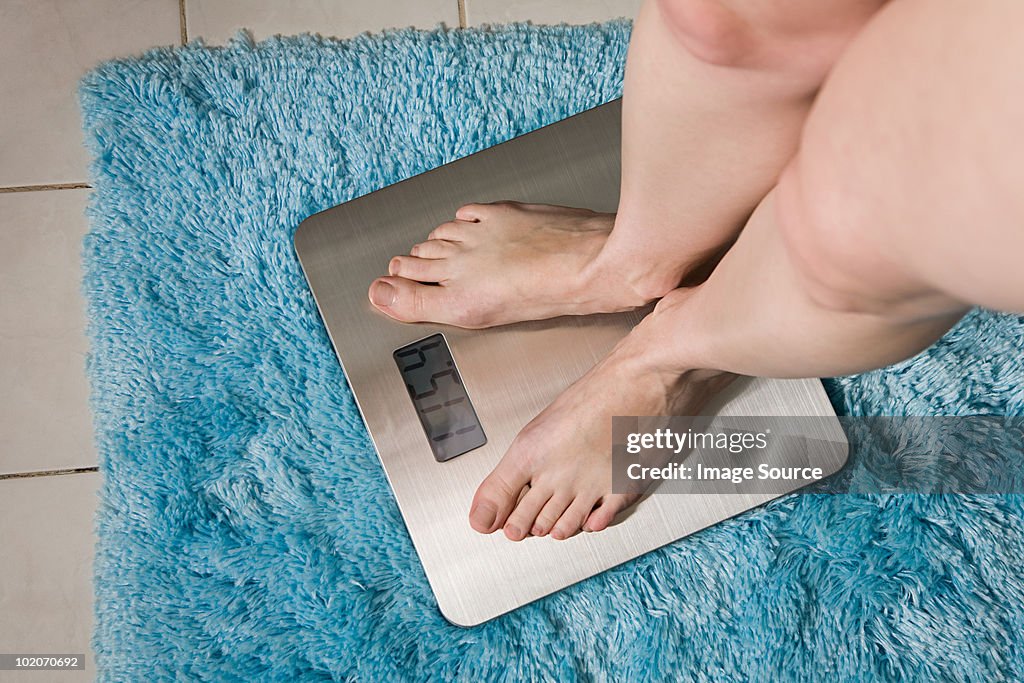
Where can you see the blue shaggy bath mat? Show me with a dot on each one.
(246, 530)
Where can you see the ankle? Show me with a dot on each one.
(626, 285)
(651, 285)
(650, 359)
(672, 340)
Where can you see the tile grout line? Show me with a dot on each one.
(48, 473)
(51, 186)
(462, 13)
(182, 25)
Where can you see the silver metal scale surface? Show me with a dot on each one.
(508, 374)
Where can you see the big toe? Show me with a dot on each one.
(495, 499)
(406, 300)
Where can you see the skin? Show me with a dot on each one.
(742, 121)
(898, 213)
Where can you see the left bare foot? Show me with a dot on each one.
(507, 262)
(564, 455)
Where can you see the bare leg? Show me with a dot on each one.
(901, 210)
(715, 94)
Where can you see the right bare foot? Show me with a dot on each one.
(503, 263)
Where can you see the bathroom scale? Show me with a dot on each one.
(436, 452)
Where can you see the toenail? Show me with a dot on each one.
(557, 535)
(382, 293)
(512, 531)
(393, 266)
(488, 514)
(537, 531)
(586, 528)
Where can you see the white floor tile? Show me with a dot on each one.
(44, 415)
(45, 47)
(46, 532)
(218, 20)
(548, 11)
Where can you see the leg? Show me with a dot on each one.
(715, 94)
(900, 211)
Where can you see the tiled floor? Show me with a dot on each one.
(46, 531)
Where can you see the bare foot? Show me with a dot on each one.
(563, 457)
(503, 263)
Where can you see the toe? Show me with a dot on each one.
(407, 300)
(420, 269)
(520, 521)
(471, 212)
(496, 497)
(604, 513)
(572, 519)
(452, 231)
(433, 249)
(550, 513)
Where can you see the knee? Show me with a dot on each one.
(709, 30)
(802, 38)
(845, 262)
(831, 259)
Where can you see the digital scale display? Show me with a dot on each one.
(442, 404)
